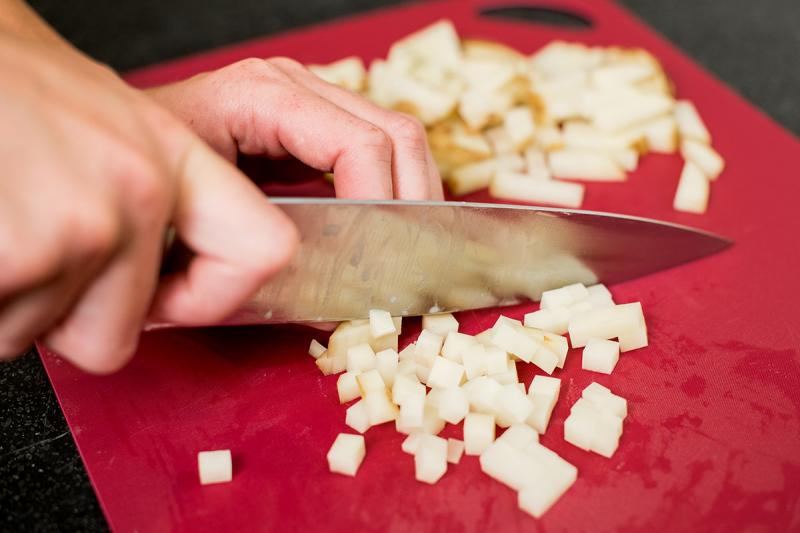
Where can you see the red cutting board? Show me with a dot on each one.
(712, 441)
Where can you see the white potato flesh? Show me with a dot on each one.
(582, 135)
(486, 75)
(405, 385)
(412, 409)
(628, 158)
(600, 355)
(437, 43)
(660, 134)
(558, 345)
(386, 363)
(369, 381)
(496, 360)
(408, 353)
(513, 340)
(474, 361)
(380, 408)
(606, 323)
(520, 436)
(536, 164)
(704, 157)
(475, 176)
(690, 125)
(520, 187)
(347, 387)
(513, 404)
(428, 345)
(440, 324)
(587, 165)
(445, 374)
(537, 498)
(599, 295)
(455, 449)
(519, 126)
(693, 190)
(360, 358)
(555, 320)
(606, 400)
(349, 73)
(479, 431)
(500, 142)
(453, 405)
(539, 417)
(411, 443)
(430, 459)
(455, 344)
(346, 454)
(215, 466)
(315, 349)
(381, 323)
(357, 416)
(580, 427)
(546, 386)
(622, 73)
(478, 106)
(631, 108)
(504, 463)
(564, 296)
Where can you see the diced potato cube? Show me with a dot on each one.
(214, 466)
(315, 349)
(347, 387)
(455, 449)
(381, 323)
(600, 355)
(346, 454)
(478, 433)
(440, 324)
(445, 373)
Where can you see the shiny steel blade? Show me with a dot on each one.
(413, 258)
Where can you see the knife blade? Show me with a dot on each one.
(412, 258)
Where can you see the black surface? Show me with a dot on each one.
(753, 46)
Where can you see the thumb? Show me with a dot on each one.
(237, 237)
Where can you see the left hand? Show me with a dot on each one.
(276, 107)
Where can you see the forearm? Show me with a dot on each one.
(19, 20)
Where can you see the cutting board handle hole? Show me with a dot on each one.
(550, 16)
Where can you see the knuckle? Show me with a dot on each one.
(144, 185)
(286, 63)
(373, 136)
(408, 128)
(96, 231)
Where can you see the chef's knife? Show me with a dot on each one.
(413, 258)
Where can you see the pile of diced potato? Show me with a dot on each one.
(522, 125)
(449, 377)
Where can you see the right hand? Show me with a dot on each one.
(93, 172)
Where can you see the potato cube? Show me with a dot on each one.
(381, 323)
(478, 433)
(214, 466)
(455, 449)
(347, 387)
(441, 324)
(445, 374)
(346, 454)
(600, 355)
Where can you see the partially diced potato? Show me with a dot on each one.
(386, 363)
(360, 358)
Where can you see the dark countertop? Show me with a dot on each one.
(753, 46)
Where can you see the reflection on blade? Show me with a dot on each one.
(413, 258)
